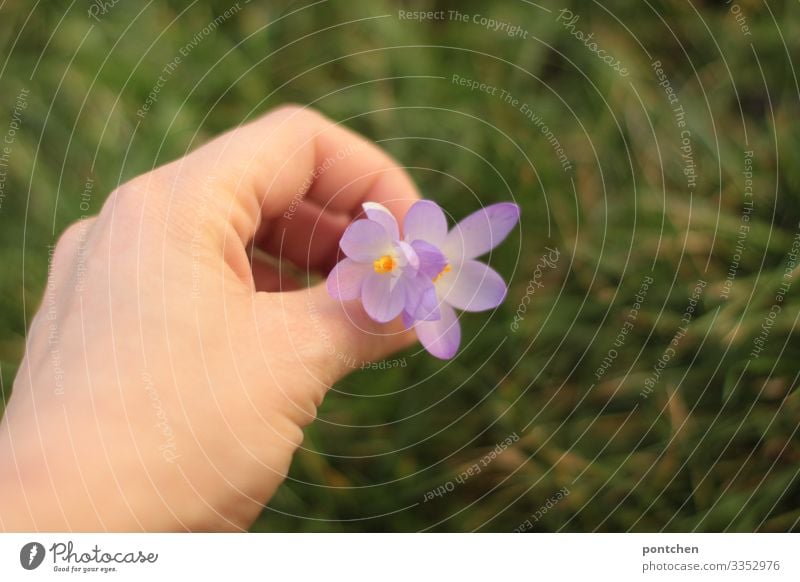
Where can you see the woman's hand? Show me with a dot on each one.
(170, 370)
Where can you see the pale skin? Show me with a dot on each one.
(167, 377)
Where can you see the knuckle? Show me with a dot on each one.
(296, 112)
(135, 203)
(72, 234)
(130, 195)
(147, 187)
(69, 240)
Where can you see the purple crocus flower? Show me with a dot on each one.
(389, 275)
(462, 283)
(428, 273)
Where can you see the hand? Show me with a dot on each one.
(169, 371)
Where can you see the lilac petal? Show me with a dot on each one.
(441, 338)
(409, 255)
(431, 260)
(344, 282)
(472, 286)
(365, 240)
(422, 302)
(382, 297)
(481, 231)
(425, 221)
(380, 214)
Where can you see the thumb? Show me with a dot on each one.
(341, 336)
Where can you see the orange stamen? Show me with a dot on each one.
(385, 264)
(447, 269)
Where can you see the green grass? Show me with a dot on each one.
(714, 447)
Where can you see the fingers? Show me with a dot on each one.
(358, 171)
(267, 168)
(268, 277)
(309, 239)
(332, 335)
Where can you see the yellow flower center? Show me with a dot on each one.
(447, 269)
(385, 264)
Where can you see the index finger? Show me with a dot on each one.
(266, 168)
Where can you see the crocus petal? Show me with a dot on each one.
(472, 286)
(344, 281)
(441, 338)
(365, 240)
(481, 231)
(380, 214)
(382, 297)
(408, 256)
(431, 260)
(425, 221)
(422, 302)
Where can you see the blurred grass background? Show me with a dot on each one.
(714, 447)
